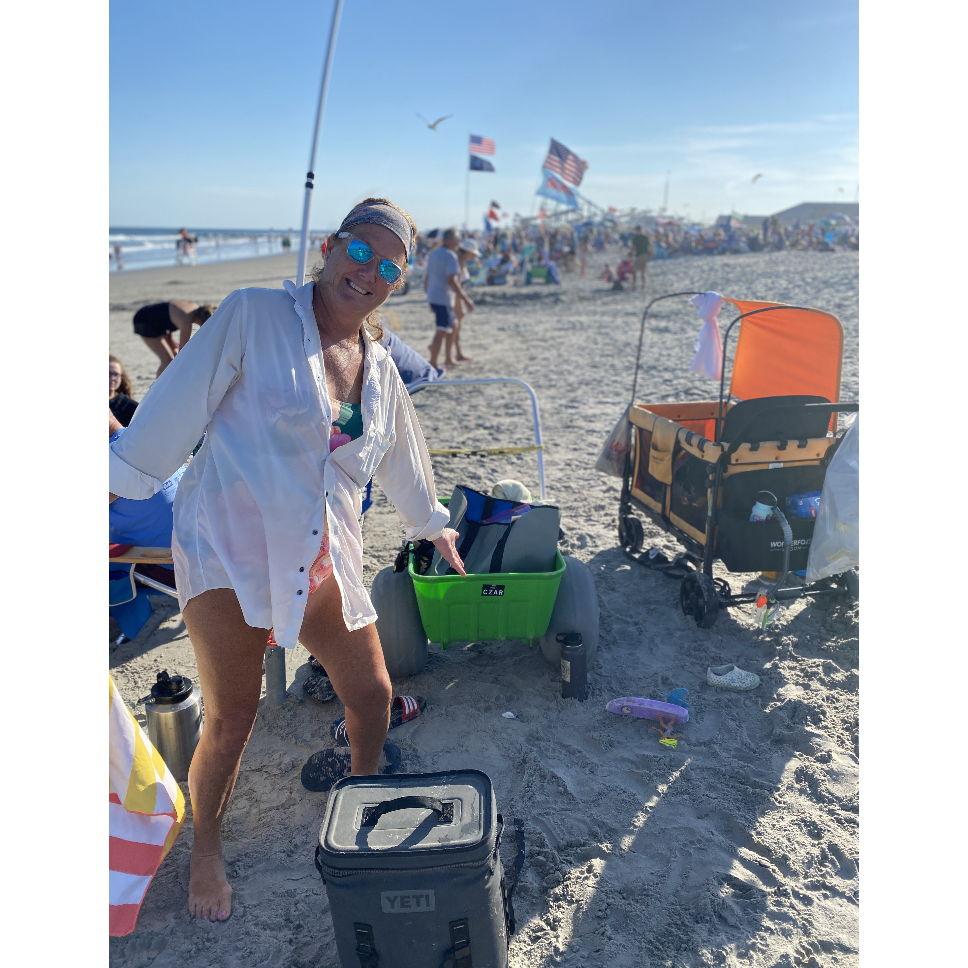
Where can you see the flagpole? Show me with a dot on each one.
(307, 200)
(467, 182)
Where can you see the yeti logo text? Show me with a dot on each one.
(408, 902)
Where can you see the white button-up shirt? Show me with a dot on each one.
(253, 503)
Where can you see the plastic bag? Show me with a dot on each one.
(616, 450)
(835, 547)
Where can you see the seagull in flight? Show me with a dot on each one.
(433, 124)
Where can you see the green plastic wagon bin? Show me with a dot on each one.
(502, 605)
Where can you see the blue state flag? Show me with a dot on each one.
(554, 188)
(479, 164)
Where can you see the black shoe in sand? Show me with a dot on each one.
(317, 685)
(325, 767)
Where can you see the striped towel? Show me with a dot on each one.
(146, 809)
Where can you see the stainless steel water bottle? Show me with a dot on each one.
(174, 721)
(574, 671)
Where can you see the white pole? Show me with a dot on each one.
(467, 189)
(304, 234)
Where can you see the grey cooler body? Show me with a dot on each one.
(413, 871)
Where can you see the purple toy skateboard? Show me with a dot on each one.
(639, 708)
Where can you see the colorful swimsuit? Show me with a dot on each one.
(347, 425)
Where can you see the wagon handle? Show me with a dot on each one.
(744, 435)
(538, 447)
(638, 352)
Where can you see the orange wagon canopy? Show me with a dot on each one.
(786, 350)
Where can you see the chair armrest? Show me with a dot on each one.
(145, 556)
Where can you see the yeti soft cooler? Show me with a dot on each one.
(413, 871)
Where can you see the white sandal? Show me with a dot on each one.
(731, 677)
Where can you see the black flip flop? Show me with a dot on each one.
(325, 767)
(318, 687)
(653, 558)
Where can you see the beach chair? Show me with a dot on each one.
(130, 588)
(696, 469)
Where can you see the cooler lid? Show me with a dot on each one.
(410, 814)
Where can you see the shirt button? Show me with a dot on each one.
(302, 569)
(315, 532)
(299, 592)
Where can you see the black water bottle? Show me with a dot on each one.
(574, 669)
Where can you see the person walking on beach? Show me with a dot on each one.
(642, 249)
(443, 288)
(185, 247)
(155, 324)
(467, 250)
(300, 406)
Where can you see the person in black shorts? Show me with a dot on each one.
(642, 247)
(155, 324)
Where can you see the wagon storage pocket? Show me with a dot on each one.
(747, 546)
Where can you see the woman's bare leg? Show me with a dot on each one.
(160, 348)
(229, 656)
(355, 666)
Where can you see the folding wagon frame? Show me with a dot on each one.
(787, 359)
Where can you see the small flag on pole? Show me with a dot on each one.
(480, 145)
(554, 188)
(563, 161)
(479, 164)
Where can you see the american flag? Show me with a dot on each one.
(565, 162)
(481, 146)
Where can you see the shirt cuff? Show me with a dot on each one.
(434, 528)
(127, 481)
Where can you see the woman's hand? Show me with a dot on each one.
(446, 544)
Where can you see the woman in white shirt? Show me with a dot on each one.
(300, 406)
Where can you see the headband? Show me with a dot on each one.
(385, 215)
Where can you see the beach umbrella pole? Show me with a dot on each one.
(307, 200)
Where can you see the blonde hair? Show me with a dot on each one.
(373, 323)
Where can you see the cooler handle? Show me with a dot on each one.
(372, 815)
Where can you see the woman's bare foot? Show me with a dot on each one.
(209, 894)
(463, 359)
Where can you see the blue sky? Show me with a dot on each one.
(212, 105)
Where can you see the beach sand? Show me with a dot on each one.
(737, 848)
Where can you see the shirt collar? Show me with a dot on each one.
(302, 298)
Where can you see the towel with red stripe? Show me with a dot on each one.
(145, 813)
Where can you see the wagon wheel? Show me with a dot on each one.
(398, 623)
(631, 534)
(699, 598)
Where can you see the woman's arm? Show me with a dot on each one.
(174, 413)
(180, 312)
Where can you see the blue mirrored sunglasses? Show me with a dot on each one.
(360, 251)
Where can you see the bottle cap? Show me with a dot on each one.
(169, 690)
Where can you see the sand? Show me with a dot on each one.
(738, 848)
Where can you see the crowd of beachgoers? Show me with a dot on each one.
(528, 252)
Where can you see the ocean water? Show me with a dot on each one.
(147, 248)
